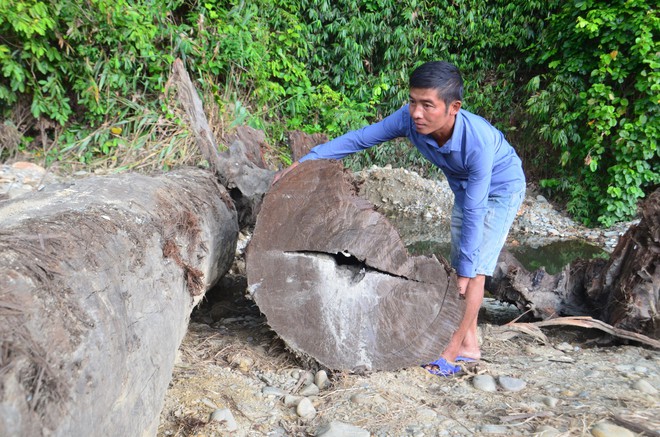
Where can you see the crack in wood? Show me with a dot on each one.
(348, 262)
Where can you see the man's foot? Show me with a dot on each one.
(442, 367)
(470, 354)
(465, 359)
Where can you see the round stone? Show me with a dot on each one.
(484, 383)
(606, 429)
(305, 409)
(511, 384)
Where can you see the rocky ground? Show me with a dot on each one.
(234, 377)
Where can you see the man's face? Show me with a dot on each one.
(430, 114)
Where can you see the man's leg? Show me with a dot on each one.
(464, 341)
(502, 212)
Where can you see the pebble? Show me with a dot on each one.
(494, 429)
(360, 398)
(547, 431)
(426, 415)
(645, 386)
(226, 416)
(509, 383)
(272, 391)
(305, 409)
(321, 379)
(550, 401)
(564, 347)
(484, 383)
(606, 429)
(625, 368)
(310, 390)
(341, 429)
(292, 401)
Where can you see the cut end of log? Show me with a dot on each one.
(336, 282)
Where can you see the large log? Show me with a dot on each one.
(97, 282)
(623, 291)
(336, 282)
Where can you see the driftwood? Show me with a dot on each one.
(335, 280)
(623, 291)
(533, 329)
(97, 282)
(240, 168)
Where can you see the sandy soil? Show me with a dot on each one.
(574, 379)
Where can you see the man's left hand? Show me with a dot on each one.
(462, 285)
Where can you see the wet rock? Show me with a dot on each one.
(226, 416)
(305, 409)
(340, 429)
(484, 383)
(606, 429)
(509, 383)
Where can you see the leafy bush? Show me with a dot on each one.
(331, 66)
(597, 104)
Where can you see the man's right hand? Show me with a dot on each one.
(283, 172)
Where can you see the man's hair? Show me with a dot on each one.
(440, 76)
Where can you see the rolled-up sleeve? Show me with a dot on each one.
(392, 126)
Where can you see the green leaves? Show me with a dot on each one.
(603, 51)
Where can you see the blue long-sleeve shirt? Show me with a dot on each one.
(477, 161)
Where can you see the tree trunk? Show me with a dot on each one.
(97, 283)
(623, 291)
(240, 168)
(336, 282)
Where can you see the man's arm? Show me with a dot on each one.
(283, 172)
(475, 206)
(392, 126)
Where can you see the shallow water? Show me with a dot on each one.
(553, 256)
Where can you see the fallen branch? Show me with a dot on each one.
(583, 322)
(639, 422)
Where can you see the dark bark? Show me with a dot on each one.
(97, 282)
(336, 282)
(623, 291)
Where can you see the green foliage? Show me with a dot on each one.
(597, 104)
(359, 45)
(68, 55)
(590, 66)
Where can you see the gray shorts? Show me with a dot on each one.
(502, 210)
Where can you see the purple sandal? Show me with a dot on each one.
(441, 367)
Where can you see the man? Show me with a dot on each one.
(482, 169)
